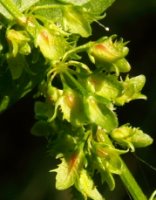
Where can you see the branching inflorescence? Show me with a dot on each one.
(79, 98)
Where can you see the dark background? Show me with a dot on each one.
(24, 161)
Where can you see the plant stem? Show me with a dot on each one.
(10, 6)
(128, 179)
(76, 83)
(131, 184)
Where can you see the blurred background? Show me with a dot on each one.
(24, 161)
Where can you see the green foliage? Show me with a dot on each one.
(77, 112)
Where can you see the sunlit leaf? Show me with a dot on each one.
(68, 170)
(131, 137)
(132, 89)
(72, 107)
(75, 22)
(86, 186)
(104, 85)
(100, 114)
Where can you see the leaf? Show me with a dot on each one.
(100, 114)
(16, 65)
(18, 42)
(106, 51)
(51, 45)
(86, 186)
(43, 110)
(72, 107)
(131, 89)
(93, 9)
(24, 5)
(68, 170)
(104, 85)
(141, 139)
(122, 65)
(107, 176)
(41, 128)
(131, 137)
(4, 103)
(75, 22)
(21, 4)
(26, 81)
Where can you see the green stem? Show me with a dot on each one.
(10, 6)
(153, 195)
(76, 83)
(128, 179)
(131, 184)
(78, 49)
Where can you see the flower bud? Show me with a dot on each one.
(18, 41)
(122, 65)
(130, 137)
(131, 89)
(107, 51)
(51, 45)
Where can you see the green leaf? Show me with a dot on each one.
(131, 137)
(95, 8)
(24, 5)
(16, 65)
(72, 107)
(131, 89)
(107, 176)
(42, 128)
(141, 139)
(4, 103)
(18, 42)
(43, 110)
(68, 170)
(104, 85)
(122, 65)
(110, 158)
(75, 22)
(100, 114)
(86, 186)
(21, 4)
(51, 45)
(106, 51)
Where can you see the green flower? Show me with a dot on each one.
(106, 52)
(100, 114)
(131, 137)
(104, 85)
(52, 45)
(131, 89)
(18, 41)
